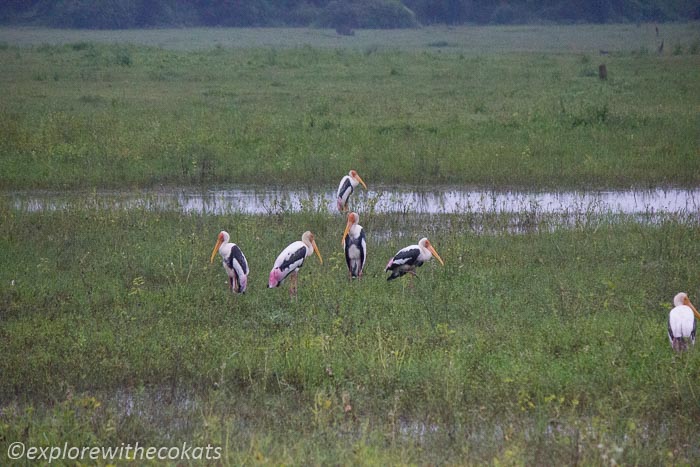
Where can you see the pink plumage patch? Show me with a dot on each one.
(275, 278)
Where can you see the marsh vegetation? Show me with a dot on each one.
(539, 345)
(85, 114)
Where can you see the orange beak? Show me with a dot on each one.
(435, 253)
(216, 249)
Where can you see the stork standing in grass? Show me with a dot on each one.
(234, 262)
(681, 322)
(347, 185)
(291, 259)
(408, 259)
(355, 244)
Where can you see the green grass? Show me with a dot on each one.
(86, 114)
(582, 38)
(541, 347)
(544, 347)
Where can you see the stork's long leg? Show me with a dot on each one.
(413, 274)
(293, 284)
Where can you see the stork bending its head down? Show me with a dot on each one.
(406, 260)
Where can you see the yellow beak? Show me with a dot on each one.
(215, 250)
(359, 179)
(435, 253)
(345, 234)
(697, 315)
(318, 253)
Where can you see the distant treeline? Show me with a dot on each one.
(342, 14)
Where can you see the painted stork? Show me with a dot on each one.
(355, 244)
(409, 258)
(346, 187)
(291, 259)
(681, 322)
(234, 262)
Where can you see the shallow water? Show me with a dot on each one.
(175, 412)
(389, 200)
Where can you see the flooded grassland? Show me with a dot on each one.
(544, 344)
(565, 208)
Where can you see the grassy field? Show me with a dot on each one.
(543, 348)
(440, 111)
(474, 40)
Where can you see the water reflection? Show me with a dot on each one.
(389, 200)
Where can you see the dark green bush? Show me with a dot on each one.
(116, 14)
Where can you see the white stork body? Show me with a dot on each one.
(355, 244)
(347, 185)
(291, 259)
(681, 322)
(234, 262)
(406, 260)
